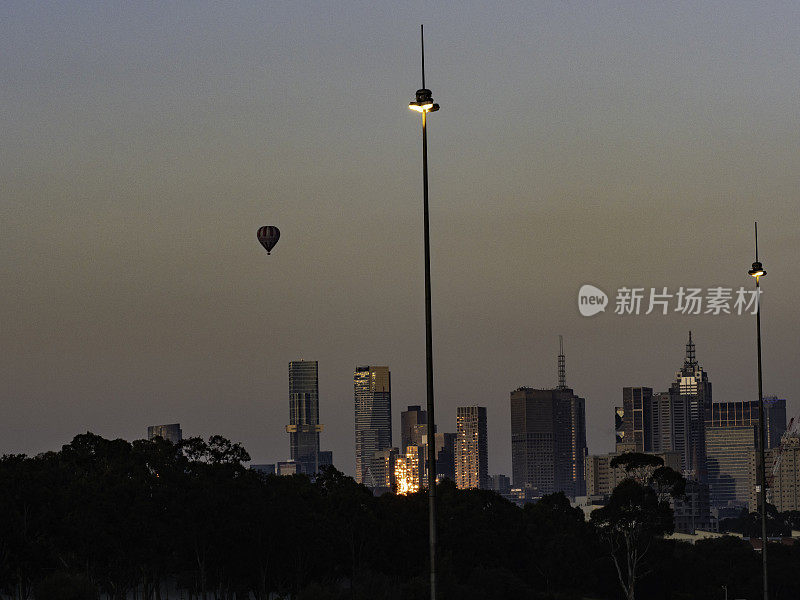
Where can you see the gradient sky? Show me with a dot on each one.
(616, 144)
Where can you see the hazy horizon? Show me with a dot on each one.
(610, 144)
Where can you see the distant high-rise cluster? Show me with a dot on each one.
(713, 444)
(670, 421)
(171, 433)
(411, 460)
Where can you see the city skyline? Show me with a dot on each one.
(616, 146)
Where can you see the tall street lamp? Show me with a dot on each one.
(758, 272)
(424, 104)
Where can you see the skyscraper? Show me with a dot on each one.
(729, 452)
(472, 448)
(661, 421)
(304, 427)
(731, 440)
(690, 395)
(373, 419)
(548, 439)
(637, 425)
(172, 432)
(413, 427)
(745, 412)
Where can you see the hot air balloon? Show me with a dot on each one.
(268, 236)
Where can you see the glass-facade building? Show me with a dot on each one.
(372, 394)
(304, 427)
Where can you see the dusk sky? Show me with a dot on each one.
(618, 144)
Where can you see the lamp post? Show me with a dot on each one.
(424, 104)
(758, 272)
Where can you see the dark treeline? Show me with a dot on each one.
(128, 519)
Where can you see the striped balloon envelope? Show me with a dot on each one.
(268, 236)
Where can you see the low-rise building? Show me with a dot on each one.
(602, 478)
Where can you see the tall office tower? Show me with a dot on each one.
(472, 448)
(661, 434)
(548, 439)
(637, 425)
(571, 449)
(691, 400)
(729, 451)
(729, 414)
(373, 411)
(172, 432)
(445, 456)
(731, 439)
(413, 427)
(304, 427)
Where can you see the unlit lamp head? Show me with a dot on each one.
(424, 102)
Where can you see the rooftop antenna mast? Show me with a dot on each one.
(562, 369)
(690, 361)
(422, 47)
(755, 224)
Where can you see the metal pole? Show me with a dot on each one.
(429, 364)
(761, 446)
